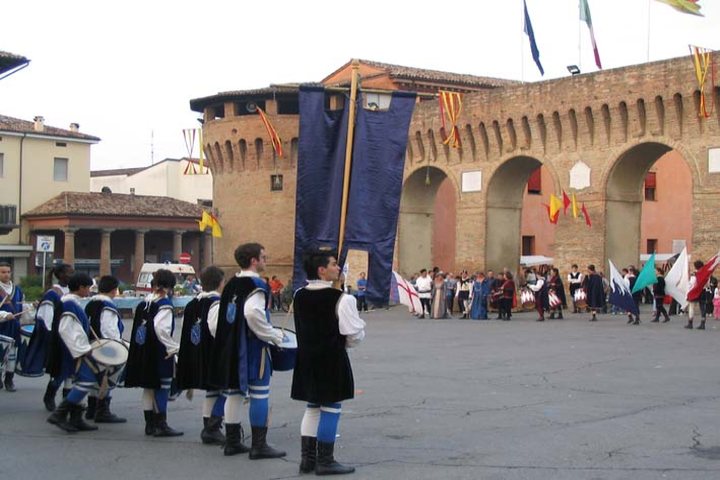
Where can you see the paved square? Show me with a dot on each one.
(563, 399)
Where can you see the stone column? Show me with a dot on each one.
(207, 246)
(69, 252)
(177, 245)
(105, 253)
(139, 252)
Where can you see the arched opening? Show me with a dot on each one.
(426, 227)
(648, 204)
(505, 195)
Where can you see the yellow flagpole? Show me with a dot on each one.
(348, 153)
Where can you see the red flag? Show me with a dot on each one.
(553, 218)
(566, 202)
(701, 278)
(586, 215)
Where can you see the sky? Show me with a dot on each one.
(126, 71)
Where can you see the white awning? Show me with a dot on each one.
(532, 260)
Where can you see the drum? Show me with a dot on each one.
(580, 298)
(527, 299)
(6, 343)
(553, 300)
(283, 356)
(108, 353)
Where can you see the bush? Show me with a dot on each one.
(32, 287)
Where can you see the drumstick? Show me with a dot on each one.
(20, 313)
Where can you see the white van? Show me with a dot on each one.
(180, 270)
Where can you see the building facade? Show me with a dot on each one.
(37, 162)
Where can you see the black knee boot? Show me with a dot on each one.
(233, 440)
(49, 397)
(162, 429)
(59, 417)
(211, 434)
(10, 385)
(149, 422)
(308, 452)
(689, 325)
(700, 327)
(76, 419)
(259, 448)
(103, 413)
(91, 408)
(326, 464)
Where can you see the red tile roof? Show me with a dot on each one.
(16, 125)
(115, 204)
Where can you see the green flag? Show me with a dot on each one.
(646, 276)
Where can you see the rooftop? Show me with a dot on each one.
(10, 61)
(133, 170)
(17, 125)
(114, 204)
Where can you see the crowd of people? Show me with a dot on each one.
(476, 296)
(228, 347)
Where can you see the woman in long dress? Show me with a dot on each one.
(479, 294)
(438, 308)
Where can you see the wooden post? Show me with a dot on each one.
(348, 154)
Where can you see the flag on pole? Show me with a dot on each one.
(208, 220)
(585, 17)
(701, 278)
(401, 291)
(685, 6)
(215, 225)
(555, 206)
(620, 294)
(647, 275)
(451, 105)
(703, 61)
(531, 35)
(677, 280)
(272, 133)
(586, 215)
(204, 221)
(566, 202)
(574, 207)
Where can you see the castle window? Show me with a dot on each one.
(650, 187)
(534, 185)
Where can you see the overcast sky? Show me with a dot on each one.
(125, 71)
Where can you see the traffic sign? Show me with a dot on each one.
(45, 243)
(185, 257)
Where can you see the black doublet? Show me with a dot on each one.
(194, 360)
(322, 371)
(142, 364)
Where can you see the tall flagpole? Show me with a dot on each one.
(648, 33)
(348, 154)
(580, 15)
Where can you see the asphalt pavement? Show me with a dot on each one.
(562, 399)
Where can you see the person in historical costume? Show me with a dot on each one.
(508, 296)
(37, 356)
(450, 286)
(438, 306)
(595, 291)
(326, 323)
(636, 296)
(540, 288)
(575, 280)
(659, 294)
(463, 293)
(555, 285)
(11, 307)
(240, 361)
(151, 360)
(70, 341)
(478, 297)
(423, 285)
(196, 345)
(697, 303)
(105, 322)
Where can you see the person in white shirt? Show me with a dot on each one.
(575, 281)
(241, 363)
(423, 284)
(327, 323)
(72, 342)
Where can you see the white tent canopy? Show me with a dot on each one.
(532, 260)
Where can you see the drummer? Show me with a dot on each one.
(539, 288)
(240, 362)
(11, 307)
(327, 323)
(105, 322)
(70, 339)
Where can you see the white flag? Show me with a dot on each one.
(403, 292)
(677, 280)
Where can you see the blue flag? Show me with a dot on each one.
(376, 177)
(620, 295)
(533, 44)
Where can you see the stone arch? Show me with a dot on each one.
(426, 227)
(624, 195)
(505, 191)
